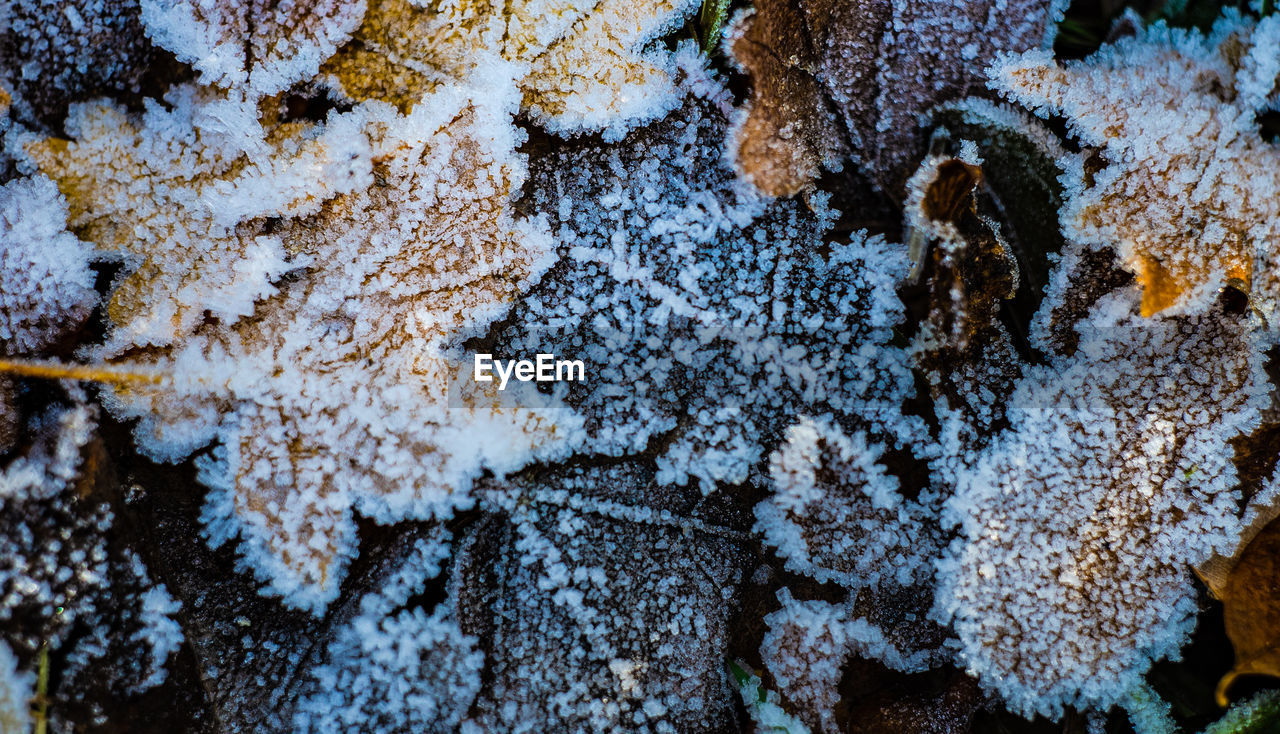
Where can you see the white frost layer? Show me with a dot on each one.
(48, 285)
(1077, 527)
(16, 690)
(395, 671)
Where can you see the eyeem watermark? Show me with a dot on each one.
(543, 368)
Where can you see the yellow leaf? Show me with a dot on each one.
(581, 64)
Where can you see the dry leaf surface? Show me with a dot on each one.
(832, 80)
(1186, 194)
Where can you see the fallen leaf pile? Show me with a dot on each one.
(922, 368)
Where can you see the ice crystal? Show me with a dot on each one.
(395, 669)
(603, 602)
(837, 515)
(1078, 523)
(61, 582)
(1187, 188)
(963, 347)
(832, 79)
(583, 64)
(16, 689)
(806, 647)
(48, 286)
(253, 44)
(56, 52)
(326, 388)
(47, 283)
(197, 240)
(706, 314)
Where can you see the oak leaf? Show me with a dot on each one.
(583, 64)
(1078, 522)
(317, 273)
(671, 286)
(185, 193)
(254, 44)
(1184, 189)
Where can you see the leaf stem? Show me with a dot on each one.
(60, 371)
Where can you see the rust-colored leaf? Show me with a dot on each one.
(1251, 606)
(836, 80)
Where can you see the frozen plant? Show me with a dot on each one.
(1078, 525)
(603, 602)
(580, 65)
(1186, 187)
(297, 293)
(707, 315)
(394, 668)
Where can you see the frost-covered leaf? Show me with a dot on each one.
(969, 271)
(54, 52)
(582, 65)
(973, 268)
(258, 45)
(186, 193)
(836, 515)
(327, 388)
(1078, 523)
(807, 647)
(48, 286)
(708, 316)
(1020, 172)
(1186, 190)
(251, 659)
(602, 600)
(16, 690)
(832, 79)
(395, 669)
(64, 584)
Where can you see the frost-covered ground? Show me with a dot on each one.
(928, 354)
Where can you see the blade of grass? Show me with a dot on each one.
(711, 20)
(41, 699)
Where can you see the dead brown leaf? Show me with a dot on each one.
(1251, 605)
(835, 80)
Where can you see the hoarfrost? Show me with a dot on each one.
(583, 65)
(707, 315)
(15, 693)
(393, 668)
(62, 583)
(254, 44)
(307, 281)
(54, 53)
(603, 601)
(807, 645)
(1077, 525)
(1188, 187)
(850, 79)
(837, 515)
(48, 286)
